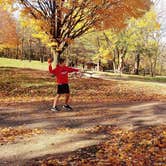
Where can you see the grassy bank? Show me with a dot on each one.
(5, 62)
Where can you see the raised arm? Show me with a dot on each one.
(52, 71)
(71, 69)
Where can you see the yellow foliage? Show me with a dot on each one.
(37, 31)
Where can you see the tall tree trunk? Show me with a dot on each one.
(56, 55)
(30, 50)
(114, 61)
(114, 66)
(155, 64)
(83, 65)
(17, 51)
(22, 49)
(67, 52)
(99, 65)
(161, 69)
(121, 63)
(76, 62)
(99, 61)
(137, 64)
(42, 54)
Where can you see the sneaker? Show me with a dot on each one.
(54, 109)
(67, 107)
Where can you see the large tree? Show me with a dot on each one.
(65, 20)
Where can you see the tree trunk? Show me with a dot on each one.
(144, 72)
(17, 51)
(114, 62)
(152, 72)
(42, 54)
(76, 62)
(83, 65)
(154, 66)
(114, 66)
(98, 65)
(30, 50)
(67, 52)
(22, 49)
(161, 69)
(121, 63)
(137, 64)
(56, 55)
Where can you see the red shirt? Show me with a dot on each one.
(61, 73)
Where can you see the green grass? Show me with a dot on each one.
(5, 62)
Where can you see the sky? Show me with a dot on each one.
(160, 7)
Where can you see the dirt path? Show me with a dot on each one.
(69, 131)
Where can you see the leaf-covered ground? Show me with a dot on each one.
(10, 135)
(114, 122)
(21, 85)
(143, 147)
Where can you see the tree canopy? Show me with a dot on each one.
(63, 21)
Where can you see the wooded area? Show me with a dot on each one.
(105, 42)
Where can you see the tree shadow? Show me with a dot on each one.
(91, 117)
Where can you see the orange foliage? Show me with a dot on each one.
(108, 14)
(116, 14)
(63, 21)
(8, 35)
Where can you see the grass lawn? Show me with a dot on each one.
(5, 62)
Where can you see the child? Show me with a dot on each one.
(61, 72)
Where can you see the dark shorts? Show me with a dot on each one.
(63, 88)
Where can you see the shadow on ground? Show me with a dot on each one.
(69, 131)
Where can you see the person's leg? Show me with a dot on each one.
(67, 97)
(56, 100)
(67, 106)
